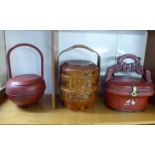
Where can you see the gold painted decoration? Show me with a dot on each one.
(78, 81)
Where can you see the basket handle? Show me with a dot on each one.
(120, 59)
(80, 46)
(19, 45)
(121, 66)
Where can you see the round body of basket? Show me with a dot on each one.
(118, 93)
(25, 90)
(78, 84)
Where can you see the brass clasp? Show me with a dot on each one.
(134, 91)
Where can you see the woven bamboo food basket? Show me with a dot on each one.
(78, 81)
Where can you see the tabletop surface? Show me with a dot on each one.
(42, 113)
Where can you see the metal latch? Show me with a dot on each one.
(134, 91)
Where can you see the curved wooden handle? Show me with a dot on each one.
(29, 45)
(81, 46)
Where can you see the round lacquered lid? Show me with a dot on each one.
(125, 83)
(24, 80)
(78, 65)
(79, 62)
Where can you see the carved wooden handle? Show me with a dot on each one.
(120, 59)
(125, 67)
(110, 72)
(29, 45)
(81, 46)
(121, 66)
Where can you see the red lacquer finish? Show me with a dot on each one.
(26, 89)
(127, 93)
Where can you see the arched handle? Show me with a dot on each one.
(110, 73)
(80, 46)
(131, 67)
(135, 66)
(120, 59)
(29, 45)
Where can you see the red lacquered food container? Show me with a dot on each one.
(127, 93)
(26, 89)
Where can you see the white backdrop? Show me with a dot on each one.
(108, 44)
